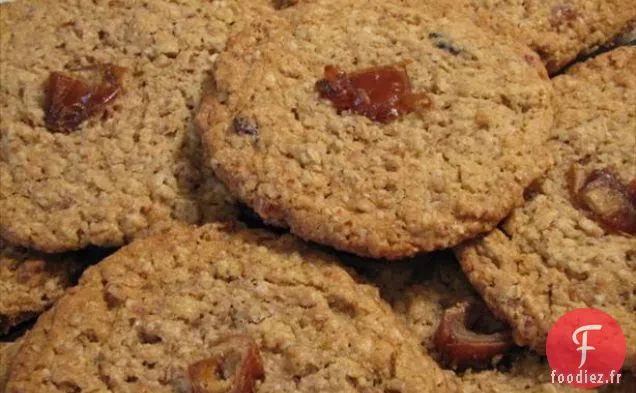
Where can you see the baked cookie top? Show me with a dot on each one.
(137, 164)
(31, 282)
(427, 180)
(558, 30)
(222, 299)
(421, 293)
(572, 244)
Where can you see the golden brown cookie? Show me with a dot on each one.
(136, 163)
(448, 170)
(8, 350)
(422, 293)
(215, 306)
(31, 282)
(572, 244)
(529, 373)
(558, 30)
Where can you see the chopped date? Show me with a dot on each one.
(607, 200)
(234, 367)
(382, 93)
(70, 101)
(461, 346)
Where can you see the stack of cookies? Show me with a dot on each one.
(262, 196)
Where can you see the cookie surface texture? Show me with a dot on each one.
(8, 351)
(135, 166)
(420, 292)
(528, 373)
(427, 180)
(554, 255)
(160, 305)
(560, 31)
(31, 282)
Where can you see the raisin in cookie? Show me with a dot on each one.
(572, 244)
(424, 294)
(31, 282)
(451, 168)
(558, 30)
(135, 163)
(224, 307)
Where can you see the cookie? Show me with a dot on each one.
(528, 373)
(162, 310)
(31, 282)
(134, 166)
(8, 351)
(447, 171)
(420, 290)
(559, 31)
(572, 244)
(421, 293)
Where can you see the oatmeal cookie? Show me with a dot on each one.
(222, 306)
(7, 354)
(31, 282)
(137, 164)
(529, 373)
(450, 169)
(572, 244)
(558, 30)
(421, 293)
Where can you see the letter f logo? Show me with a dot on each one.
(584, 347)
